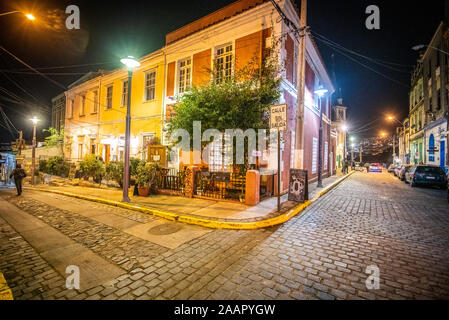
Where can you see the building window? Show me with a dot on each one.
(146, 140)
(80, 148)
(326, 154)
(70, 109)
(314, 155)
(150, 85)
(95, 110)
(124, 93)
(109, 97)
(93, 146)
(223, 63)
(82, 105)
(185, 67)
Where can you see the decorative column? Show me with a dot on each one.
(190, 181)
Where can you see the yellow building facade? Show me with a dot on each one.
(103, 133)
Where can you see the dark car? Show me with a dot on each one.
(428, 176)
(404, 169)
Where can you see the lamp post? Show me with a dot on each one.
(130, 64)
(391, 118)
(320, 92)
(33, 153)
(29, 16)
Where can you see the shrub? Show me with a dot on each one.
(114, 171)
(55, 166)
(92, 167)
(134, 163)
(43, 166)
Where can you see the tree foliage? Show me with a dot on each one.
(55, 139)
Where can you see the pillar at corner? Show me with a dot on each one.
(252, 192)
(190, 181)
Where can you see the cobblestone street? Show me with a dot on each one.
(369, 219)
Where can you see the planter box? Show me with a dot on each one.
(144, 192)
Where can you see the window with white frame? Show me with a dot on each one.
(150, 85)
(223, 63)
(185, 71)
(95, 109)
(109, 97)
(124, 93)
(326, 154)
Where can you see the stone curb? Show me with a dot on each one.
(213, 224)
(5, 291)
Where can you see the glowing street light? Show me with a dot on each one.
(30, 16)
(130, 64)
(34, 120)
(321, 91)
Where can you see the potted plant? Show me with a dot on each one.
(143, 180)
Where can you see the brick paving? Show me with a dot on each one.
(323, 254)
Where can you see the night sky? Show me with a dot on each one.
(111, 30)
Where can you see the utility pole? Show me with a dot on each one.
(299, 128)
(361, 152)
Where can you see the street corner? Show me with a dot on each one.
(5, 291)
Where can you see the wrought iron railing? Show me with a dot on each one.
(220, 185)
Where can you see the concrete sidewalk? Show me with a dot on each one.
(197, 208)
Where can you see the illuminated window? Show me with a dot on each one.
(150, 85)
(185, 67)
(124, 93)
(223, 63)
(109, 97)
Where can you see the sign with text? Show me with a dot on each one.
(279, 117)
(299, 186)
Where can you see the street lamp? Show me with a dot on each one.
(33, 154)
(321, 91)
(345, 130)
(29, 16)
(130, 64)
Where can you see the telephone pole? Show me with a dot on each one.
(299, 128)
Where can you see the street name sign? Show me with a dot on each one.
(278, 117)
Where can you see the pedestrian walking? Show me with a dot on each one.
(18, 174)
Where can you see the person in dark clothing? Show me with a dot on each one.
(18, 174)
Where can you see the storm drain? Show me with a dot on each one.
(164, 229)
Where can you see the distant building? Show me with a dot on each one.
(58, 112)
(404, 142)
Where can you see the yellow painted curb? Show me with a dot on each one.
(213, 224)
(5, 291)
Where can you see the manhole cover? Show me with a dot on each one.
(164, 229)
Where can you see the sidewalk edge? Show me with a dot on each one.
(213, 224)
(5, 291)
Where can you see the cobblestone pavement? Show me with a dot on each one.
(370, 219)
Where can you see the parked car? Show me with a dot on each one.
(391, 168)
(404, 169)
(375, 167)
(427, 175)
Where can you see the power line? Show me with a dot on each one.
(365, 66)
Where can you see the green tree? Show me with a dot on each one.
(92, 167)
